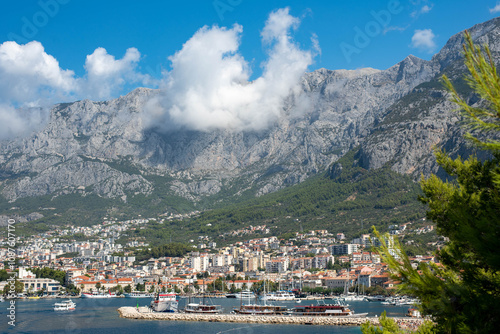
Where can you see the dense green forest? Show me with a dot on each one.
(346, 198)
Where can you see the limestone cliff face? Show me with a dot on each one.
(425, 119)
(397, 115)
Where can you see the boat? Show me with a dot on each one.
(139, 295)
(279, 295)
(241, 295)
(375, 298)
(96, 294)
(165, 302)
(66, 305)
(331, 310)
(255, 309)
(202, 308)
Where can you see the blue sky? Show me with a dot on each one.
(159, 28)
(103, 49)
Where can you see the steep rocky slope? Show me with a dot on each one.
(104, 148)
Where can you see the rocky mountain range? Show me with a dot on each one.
(396, 115)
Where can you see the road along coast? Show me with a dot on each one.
(144, 313)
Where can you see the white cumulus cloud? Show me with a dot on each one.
(495, 9)
(424, 40)
(208, 86)
(107, 75)
(28, 74)
(31, 80)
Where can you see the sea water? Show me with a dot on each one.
(101, 316)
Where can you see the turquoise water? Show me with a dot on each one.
(101, 316)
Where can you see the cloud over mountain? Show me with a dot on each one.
(32, 80)
(209, 84)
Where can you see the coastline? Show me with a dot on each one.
(143, 313)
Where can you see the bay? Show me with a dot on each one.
(101, 316)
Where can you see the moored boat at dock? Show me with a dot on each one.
(96, 294)
(139, 295)
(241, 295)
(278, 296)
(261, 309)
(165, 302)
(202, 308)
(337, 309)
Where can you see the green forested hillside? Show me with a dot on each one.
(345, 199)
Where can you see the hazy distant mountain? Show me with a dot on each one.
(396, 115)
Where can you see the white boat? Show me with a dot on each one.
(352, 297)
(139, 295)
(279, 295)
(96, 294)
(165, 302)
(245, 294)
(202, 308)
(66, 305)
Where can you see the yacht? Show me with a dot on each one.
(96, 294)
(279, 295)
(241, 295)
(66, 305)
(139, 295)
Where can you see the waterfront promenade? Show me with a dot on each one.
(145, 313)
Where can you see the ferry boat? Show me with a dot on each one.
(335, 310)
(139, 295)
(279, 295)
(95, 294)
(66, 305)
(165, 302)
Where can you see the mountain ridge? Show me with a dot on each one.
(105, 149)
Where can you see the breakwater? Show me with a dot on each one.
(145, 313)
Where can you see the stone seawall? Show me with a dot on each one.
(144, 313)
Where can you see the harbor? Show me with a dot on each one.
(145, 313)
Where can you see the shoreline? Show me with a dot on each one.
(143, 313)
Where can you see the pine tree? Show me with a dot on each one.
(461, 294)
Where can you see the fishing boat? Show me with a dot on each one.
(165, 302)
(95, 294)
(66, 305)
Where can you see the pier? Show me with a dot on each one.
(146, 314)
